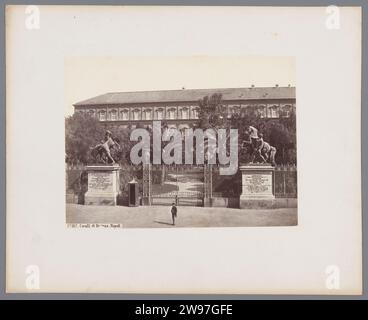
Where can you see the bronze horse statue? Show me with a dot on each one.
(101, 153)
(259, 150)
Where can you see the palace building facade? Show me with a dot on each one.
(180, 108)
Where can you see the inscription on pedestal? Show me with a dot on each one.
(257, 186)
(100, 181)
(103, 185)
(257, 183)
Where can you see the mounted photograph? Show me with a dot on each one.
(183, 150)
(196, 156)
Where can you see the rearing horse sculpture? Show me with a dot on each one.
(258, 149)
(102, 151)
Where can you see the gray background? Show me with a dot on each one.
(361, 3)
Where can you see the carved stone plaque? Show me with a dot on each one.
(100, 181)
(103, 185)
(258, 183)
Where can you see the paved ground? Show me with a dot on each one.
(160, 216)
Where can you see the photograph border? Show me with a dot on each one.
(93, 296)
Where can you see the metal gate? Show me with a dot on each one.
(182, 185)
(194, 199)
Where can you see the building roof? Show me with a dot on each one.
(189, 95)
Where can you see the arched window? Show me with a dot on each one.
(195, 114)
(183, 129)
(102, 115)
(147, 114)
(124, 114)
(185, 113)
(159, 114)
(274, 111)
(113, 115)
(172, 113)
(261, 110)
(136, 114)
(285, 111)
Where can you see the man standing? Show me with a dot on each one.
(174, 212)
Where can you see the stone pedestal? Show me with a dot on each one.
(103, 185)
(257, 186)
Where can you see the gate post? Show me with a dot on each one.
(147, 184)
(207, 196)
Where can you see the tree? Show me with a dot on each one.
(279, 132)
(280, 137)
(122, 136)
(82, 131)
(212, 114)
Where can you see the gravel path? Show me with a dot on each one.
(160, 216)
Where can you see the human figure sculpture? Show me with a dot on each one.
(102, 151)
(265, 151)
(253, 136)
(258, 148)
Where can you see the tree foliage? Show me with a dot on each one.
(212, 114)
(81, 132)
(279, 132)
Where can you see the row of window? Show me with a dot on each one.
(273, 111)
(171, 114)
(146, 114)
